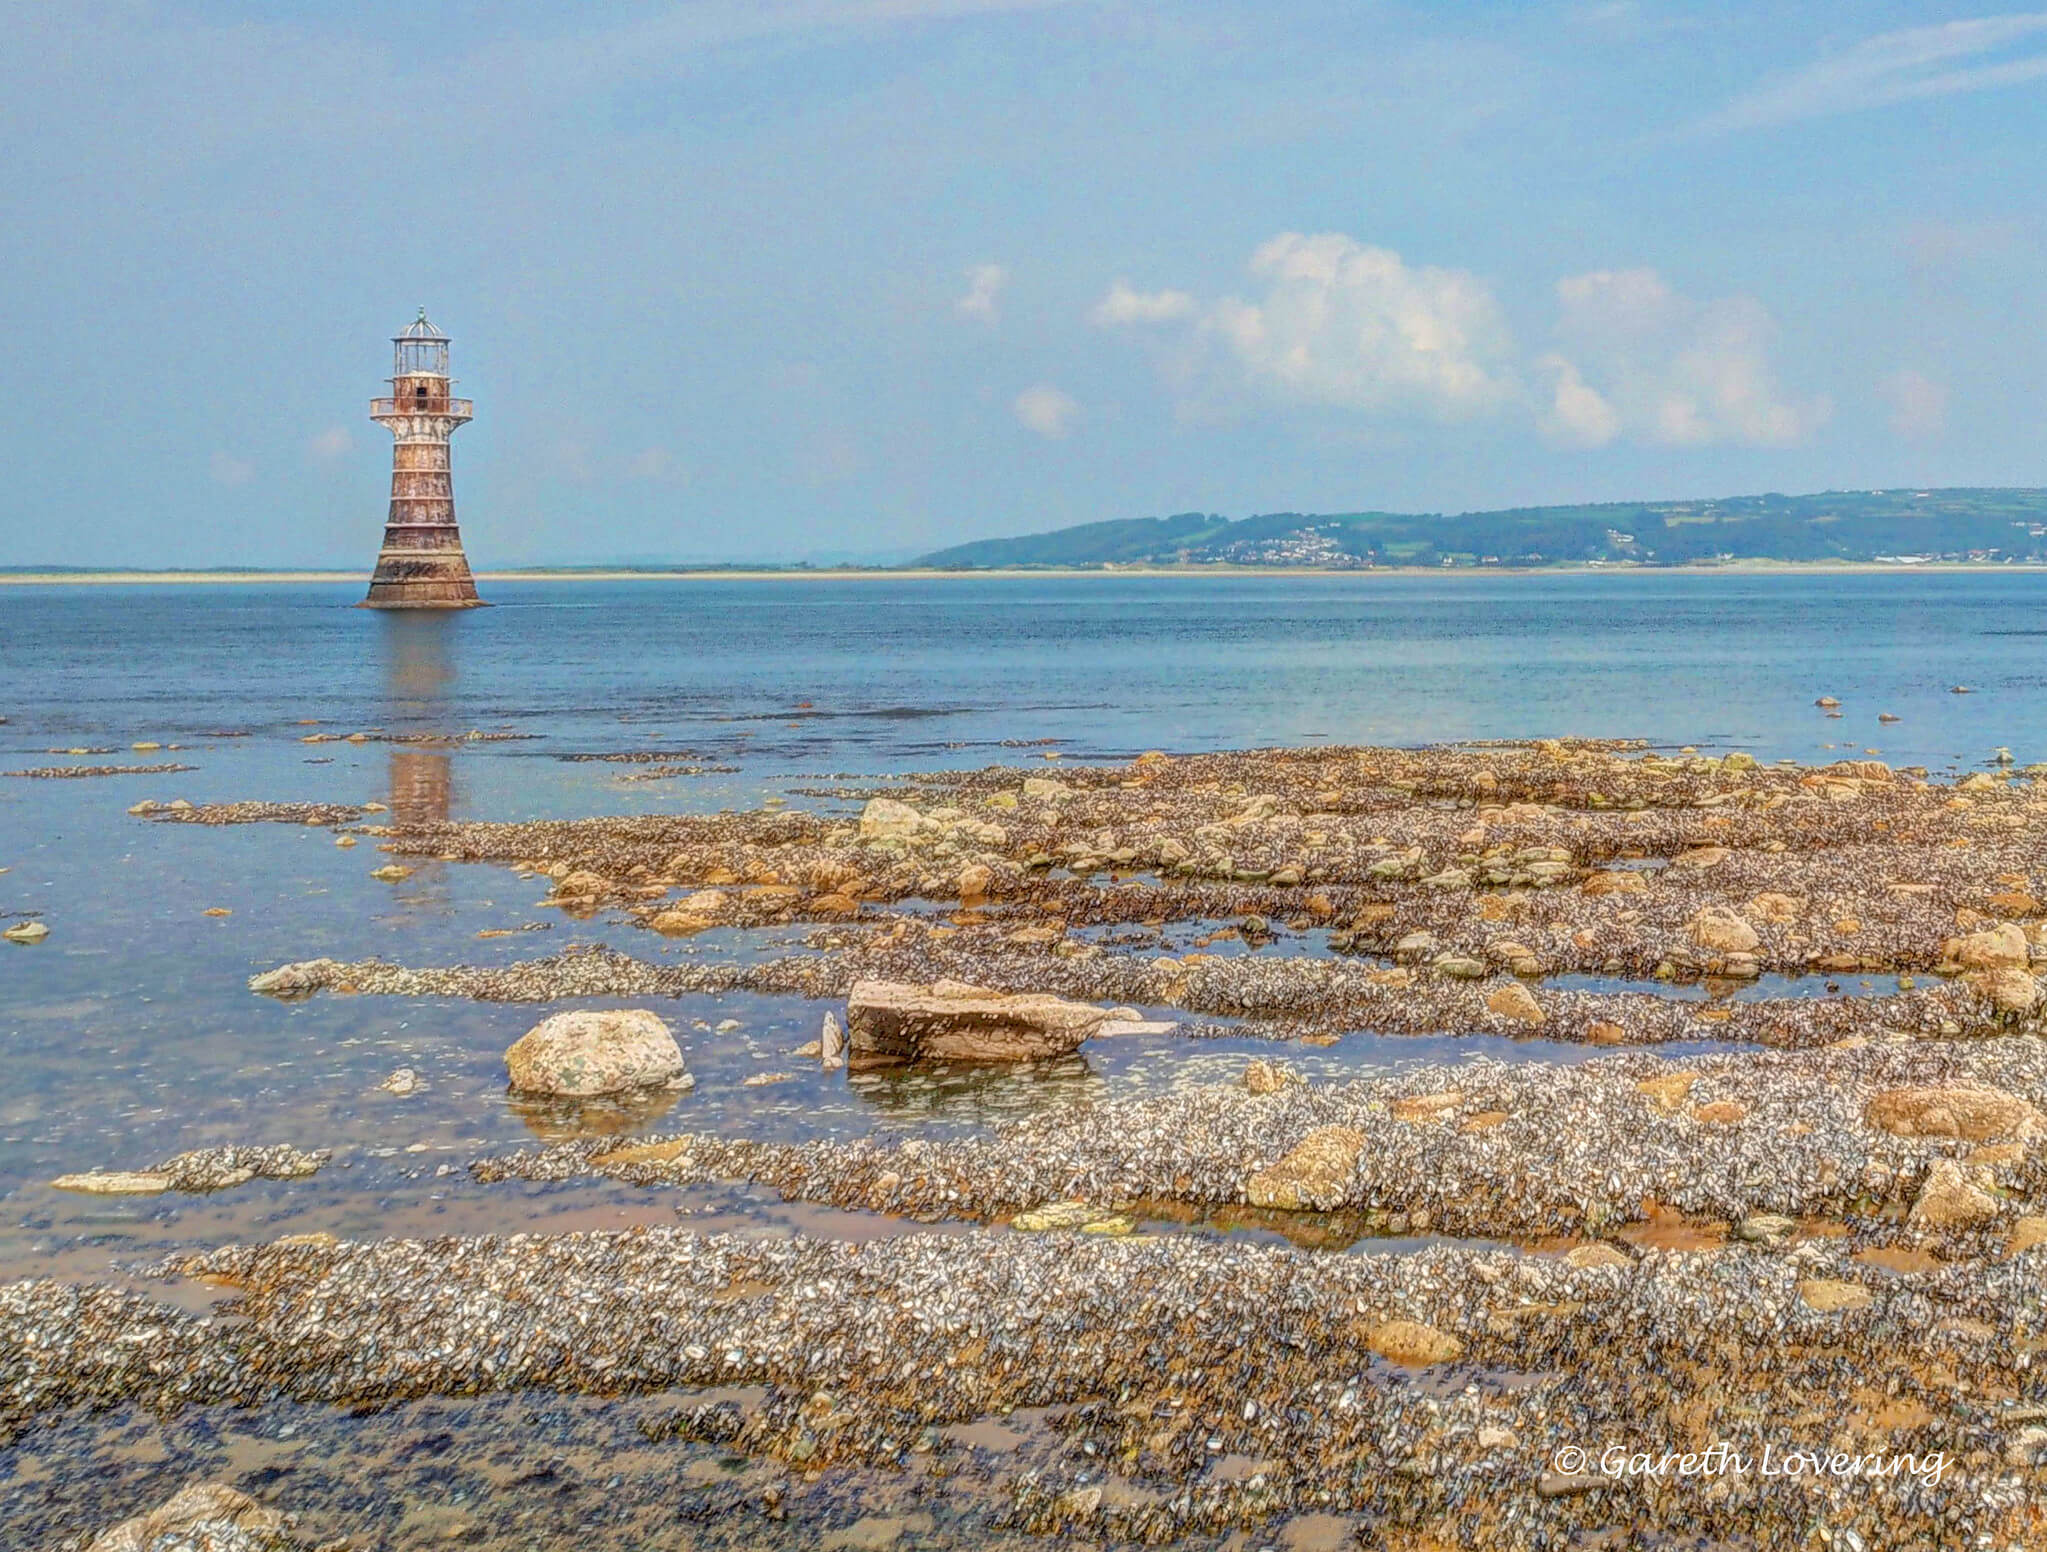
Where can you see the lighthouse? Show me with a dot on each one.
(421, 565)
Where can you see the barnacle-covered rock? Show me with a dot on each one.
(889, 1022)
(204, 1517)
(1316, 1173)
(588, 1052)
(1972, 1113)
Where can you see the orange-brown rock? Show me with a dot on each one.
(1616, 883)
(1971, 1114)
(1515, 1001)
(1412, 1344)
(1314, 1175)
(1426, 1107)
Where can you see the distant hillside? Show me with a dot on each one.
(1900, 526)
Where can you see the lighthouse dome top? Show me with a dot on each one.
(419, 329)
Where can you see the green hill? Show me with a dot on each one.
(1986, 526)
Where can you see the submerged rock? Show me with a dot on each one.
(26, 932)
(199, 1171)
(299, 979)
(891, 1021)
(115, 1182)
(204, 1517)
(589, 1052)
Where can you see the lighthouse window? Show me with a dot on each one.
(420, 391)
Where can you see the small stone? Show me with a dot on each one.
(1766, 1228)
(1669, 1091)
(1950, 1199)
(2028, 1233)
(1773, 906)
(1721, 930)
(1831, 1296)
(1263, 1077)
(2000, 947)
(1515, 1001)
(1427, 1107)
(391, 873)
(1616, 883)
(1584, 1256)
(402, 1082)
(691, 914)
(2009, 989)
(831, 1044)
(1412, 1344)
(25, 932)
(1721, 1112)
(1314, 1175)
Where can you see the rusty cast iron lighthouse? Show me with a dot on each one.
(421, 565)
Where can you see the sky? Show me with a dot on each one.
(767, 280)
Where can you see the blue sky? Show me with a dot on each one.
(775, 278)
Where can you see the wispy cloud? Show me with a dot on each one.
(333, 443)
(1124, 304)
(1045, 410)
(230, 470)
(1916, 62)
(984, 287)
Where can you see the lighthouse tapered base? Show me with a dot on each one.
(423, 578)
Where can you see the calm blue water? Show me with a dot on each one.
(899, 670)
(128, 1034)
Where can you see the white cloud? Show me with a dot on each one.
(1642, 359)
(1578, 413)
(569, 459)
(230, 470)
(333, 443)
(1045, 410)
(1353, 326)
(1125, 305)
(1345, 325)
(984, 286)
(1918, 403)
(1915, 62)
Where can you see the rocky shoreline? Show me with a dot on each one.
(1814, 1228)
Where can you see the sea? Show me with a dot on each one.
(129, 1034)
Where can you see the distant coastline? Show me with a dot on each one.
(141, 578)
(1959, 529)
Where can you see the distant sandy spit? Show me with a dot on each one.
(841, 573)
